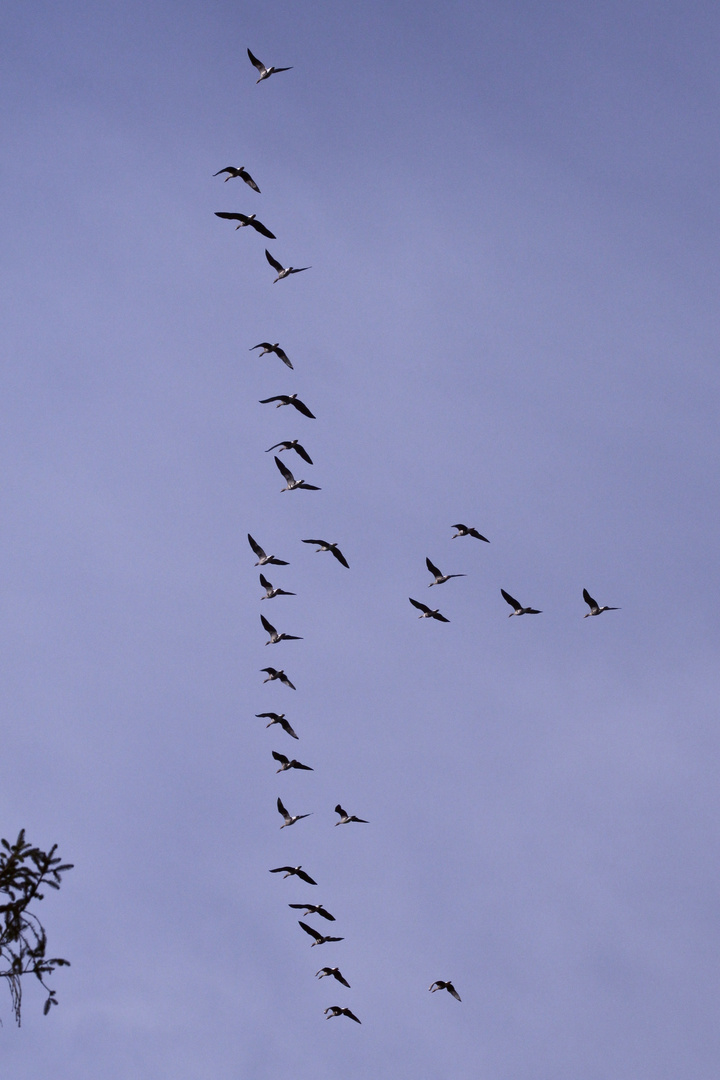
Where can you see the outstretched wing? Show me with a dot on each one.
(268, 625)
(305, 877)
(265, 583)
(510, 599)
(439, 617)
(256, 547)
(230, 217)
(281, 759)
(421, 607)
(273, 262)
(256, 63)
(302, 407)
(433, 568)
(248, 179)
(309, 930)
(303, 453)
(588, 599)
(340, 557)
(289, 478)
(262, 229)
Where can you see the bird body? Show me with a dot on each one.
(264, 559)
(291, 483)
(246, 219)
(240, 173)
(440, 578)
(289, 399)
(346, 818)
(274, 636)
(268, 347)
(290, 819)
(323, 545)
(287, 763)
(265, 72)
(518, 608)
(468, 530)
(595, 609)
(336, 974)
(283, 271)
(320, 939)
(277, 718)
(273, 673)
(335, 1010)
(426, 612)
(440, 984)
(294, 871)
(271, 591)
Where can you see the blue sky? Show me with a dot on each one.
(510, 211)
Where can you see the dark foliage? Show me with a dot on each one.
(24, 872)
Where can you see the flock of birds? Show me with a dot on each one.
(271, 591)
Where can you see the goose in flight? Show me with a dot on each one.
(240, 173)
(290, 480)
(271, 590)
(245, 219)
(336, 974)
(518, 609)
(287, 763)
(290, 819)
(289, 399)
(291, 444)
(293, 871)
(314, 909)
(265, 72)
(427, 613)
(323, 545)
(273, 673)
(440, 578)
(277, 718)
(335, 1010)
(264, 559)
(283, 271)
(274, 636)
(320, 939)
(593, 605)
(467, 530)
(268, 347)
(439, 984)
(345, 818)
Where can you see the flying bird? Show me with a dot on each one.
(271, 590)
(268, 347)
(593, 605)
(291, 482)
(265, 72)
(323, 545)
(320, 939)
(439, 984)
(345, 818)
(273, 673)
(293, 871)
(467, 530)
(283, 271)
(427, 613)
(240, 173)
(274, 636)
(440, 578)
(335, 1010)
(289, 399)
(290, 819)
(245, 219)
(291, 444)
(336, 974)
(518, 609)
(314, 909)
(287, 763)
(262, 557)
(277, 718)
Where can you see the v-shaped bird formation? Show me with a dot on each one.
(271, 591)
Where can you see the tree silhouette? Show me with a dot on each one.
(24, 871)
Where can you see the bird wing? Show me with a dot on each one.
(339, 556)
(273, 262)
(433, 568)
(303, 453)
(228, 168)
(268, 625)
(298, 269)
(278, 397)
(309, 487)
(419, 606)
(451, 990)
(285, 869)
(256, 547)
(284, 678)
(230, 217)
(309, 930)
(510, 599)
(588, 599)
(262, 229)
(286, 727)
(255, 62)
(248, 179)
(290, 479)
(302, 407)
(476, 534)
(265, 583)
(321, 543)
(281, 758)
(459, 527)
(339, 810)
(340, 978)
(305, 877)
(281, 808)
(283, 69)
(320, 910)
(439, 617)
(271, 671)
(299, 765)
(348, 1012)
(267, 715)
(261, 345)
(285, 445)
